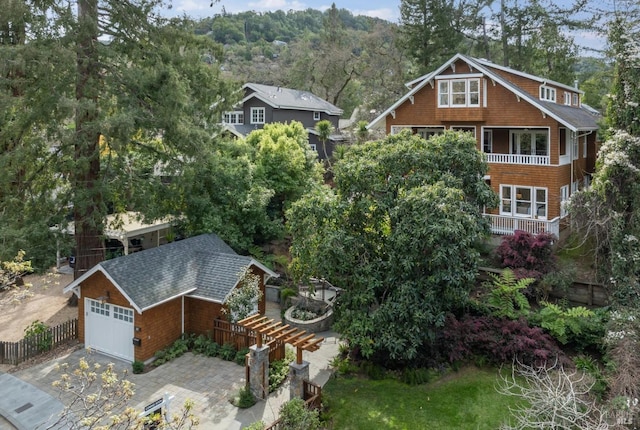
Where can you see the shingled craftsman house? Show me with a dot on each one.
(538, 138)
(134, 305)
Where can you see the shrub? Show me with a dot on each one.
(416, 376)
(530, 256)
(578, 326)
(138, 366)
(212, 350)
(498, 340)
(279, 370)
(245, 398)
(590, 366)
(294, 415)
(200, 344)
(372, 370)
(228, 352)
(258, 425)
(505, 298)
(38, 332)
(240, 357)
(286, 294)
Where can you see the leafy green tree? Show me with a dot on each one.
(243, 300)
(285, 164)
(105, 80)
(399, 234)
(324, 129)
(294, 415)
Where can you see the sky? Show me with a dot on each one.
(388, 10)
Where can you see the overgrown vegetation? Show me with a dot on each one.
(38, 332)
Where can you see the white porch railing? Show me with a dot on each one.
(534, 160)
(501, 224)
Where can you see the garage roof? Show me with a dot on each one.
(203, 266)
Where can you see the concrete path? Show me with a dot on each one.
(208, 382)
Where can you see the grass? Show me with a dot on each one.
(466, 399)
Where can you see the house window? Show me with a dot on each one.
(427, 132)
(236, 117)
(523, 201)
(584, 146)
(123, 314)
(547, 93)
(563, 142)
(99, 307)
(313, 146)
(575, 147)
(487, 141)
(459, 93)
(257, 115)
(567, 98)
(564, 200)
(466, 129)
(526, 142)
(576, 100)
(316, 116)
(395, 129)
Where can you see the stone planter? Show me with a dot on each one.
(322, 323)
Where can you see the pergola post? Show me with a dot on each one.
(298, 373)
(259, 371)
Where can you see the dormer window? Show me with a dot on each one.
(547, 93)
(576, 100)
(459, 93)
(567, 98)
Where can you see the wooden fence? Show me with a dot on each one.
(583, 293)
(29, 347)
(312, 396)
(240, 338)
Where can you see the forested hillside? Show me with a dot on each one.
(358, 61)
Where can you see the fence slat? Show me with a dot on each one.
(17, 352)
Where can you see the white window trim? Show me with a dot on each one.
(255, 115)
(575, 146)
(316, 116)
(313, 146)
(584, 146)
(396, 129)
(547, 93)
(467, 92)
(489, 134)
(235, 117)
(533, 202)
(576, 100)
(428, 131)
(564, 198)
(567, 98)
(471, 128)
(532, 133)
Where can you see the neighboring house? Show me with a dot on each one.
(539, 141)
(134, 305)
(265, 104)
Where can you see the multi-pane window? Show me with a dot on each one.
(487, 141)
(564, 199)
(576, 100)
(257, 115)
(99, 307)
(427, 132)
(316, 116)
(530, 142)
(567, 98)
(459, 93)
(123, 314)
(547, 93)
(523, 201)
(236, 117)
(576, 147)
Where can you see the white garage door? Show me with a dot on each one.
(109, 328)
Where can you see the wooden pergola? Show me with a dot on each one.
(263, 326)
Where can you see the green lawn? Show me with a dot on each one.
(466, 399)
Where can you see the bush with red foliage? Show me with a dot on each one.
(528, 255)
(499, 340)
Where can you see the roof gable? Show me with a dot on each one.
(287, 98)
(204, 266)
(574, 118)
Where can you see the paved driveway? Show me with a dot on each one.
(208, 382)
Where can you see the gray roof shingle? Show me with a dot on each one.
(203, 266)
(287, 98)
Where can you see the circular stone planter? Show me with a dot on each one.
(322, 323)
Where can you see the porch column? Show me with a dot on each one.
(259, 371)
(298, 373)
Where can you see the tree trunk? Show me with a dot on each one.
(88, 210)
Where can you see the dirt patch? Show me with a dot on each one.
(48, 304)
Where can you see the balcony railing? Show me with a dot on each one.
(502, 224)
(533, 160)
